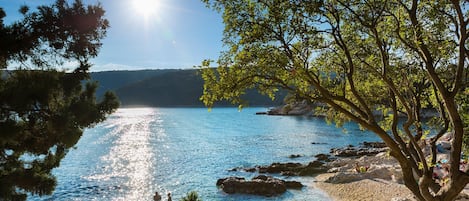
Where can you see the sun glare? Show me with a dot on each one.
(146, 8)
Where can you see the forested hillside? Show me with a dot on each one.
(112, 80)
(164, 88)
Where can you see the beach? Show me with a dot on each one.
(365, 189)
(381, 182)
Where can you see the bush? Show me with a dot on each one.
(191, 196)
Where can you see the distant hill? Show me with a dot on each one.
(112, 80)
(164, 88)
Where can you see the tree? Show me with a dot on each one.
(191, 196)
(379, 63)
(43, 111)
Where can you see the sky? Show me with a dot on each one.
(149, 34)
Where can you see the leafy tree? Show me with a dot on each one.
(369, 61)
(43, 111)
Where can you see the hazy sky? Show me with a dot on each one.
(150, 34)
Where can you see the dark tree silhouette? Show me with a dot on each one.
(43, 109)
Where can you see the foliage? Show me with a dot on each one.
(43, 111)
(191, 196)
(379, 63)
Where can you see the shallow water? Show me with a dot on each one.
(138, 151)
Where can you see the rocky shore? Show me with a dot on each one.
(270, 186)
(306, 108)
(364, 172)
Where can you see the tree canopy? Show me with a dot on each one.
(380, 63)
(43, 109)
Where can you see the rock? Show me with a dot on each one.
(240, 169)
(259, 185)
(279, 167)
(374, 144)
(296, 109)
(318, 143)
(293, 184)
(234, 169)
(313, 168)
(366, 149)
(250, 169)
(323, 157)
(315, 164)
(333, 170)
(344, 152)
(262, 177)
(294, 169)
(295, 156)
(288, 173)
(220, 181)
(255, 186)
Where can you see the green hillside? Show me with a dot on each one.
(164, 88)
(112, 80)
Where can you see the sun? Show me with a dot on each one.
(146, 8)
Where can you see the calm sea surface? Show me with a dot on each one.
(138, 151)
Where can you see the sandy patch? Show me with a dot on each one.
(364, 190)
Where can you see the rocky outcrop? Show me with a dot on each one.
(365, 149)
(295, 109)
(260, 185)
(294, 169)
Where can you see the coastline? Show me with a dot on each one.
(381, 182)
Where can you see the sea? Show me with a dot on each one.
(139, 151)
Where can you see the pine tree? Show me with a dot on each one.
(43, 109)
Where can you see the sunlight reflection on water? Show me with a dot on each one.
(131, 156)
(138, 151)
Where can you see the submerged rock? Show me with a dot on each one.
(323, 143)
(295, 156)
(260, 185)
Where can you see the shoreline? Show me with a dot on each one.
(381, 181)
(364, 190)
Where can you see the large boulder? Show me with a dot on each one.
(260, 185)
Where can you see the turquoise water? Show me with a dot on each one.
(138, 151)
